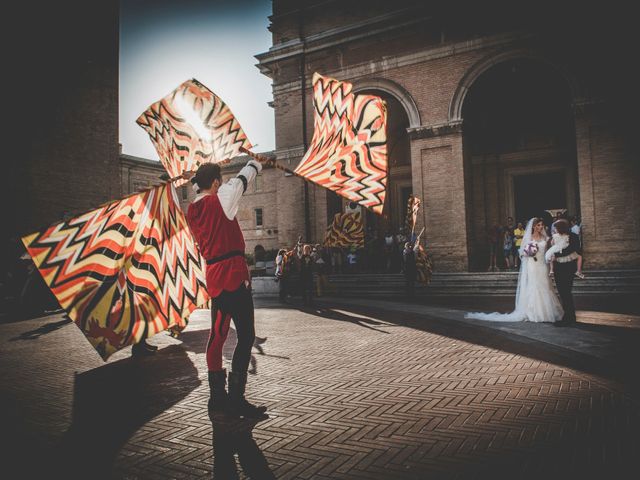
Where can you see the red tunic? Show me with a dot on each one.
(217, 235)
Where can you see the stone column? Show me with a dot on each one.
(609, 182)
(438, 179)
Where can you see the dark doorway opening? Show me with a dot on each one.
(334, 205)
(536, 193)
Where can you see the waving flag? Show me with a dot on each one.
(413, 206)
(348, 152)
(191, 126)
(424, 266)
(345, 231)
(124, 271)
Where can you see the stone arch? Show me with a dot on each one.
(396, 91)
(480, 67)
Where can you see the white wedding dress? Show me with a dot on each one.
(536, 299)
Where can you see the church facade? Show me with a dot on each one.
(489, 117)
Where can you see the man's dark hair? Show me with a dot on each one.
(562, 226)
(206, 174)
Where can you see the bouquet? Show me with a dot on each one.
(530, 250)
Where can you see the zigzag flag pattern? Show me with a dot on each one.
(192, 126)
(124, 271)
(348, 152)
(346, 230)
(413, 206)
(424, 264)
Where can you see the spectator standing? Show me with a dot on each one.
(576, 228)
(518, 234)
(280, 275)
(321, 267)
(306, 274)
(410, 269)
(336, 259)
(507, 247)
(352, 260)
(389, 241)
(493, 238)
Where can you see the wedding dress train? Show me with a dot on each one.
(536, 300)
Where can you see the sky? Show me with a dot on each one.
(165, 42)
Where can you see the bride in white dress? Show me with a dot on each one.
(536, 300)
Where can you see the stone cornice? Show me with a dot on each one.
(336, 36)
(438, 130)
(287, 153)
(132, 160)
(371, 68)
(584, 106)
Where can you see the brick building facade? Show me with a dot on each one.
(257, 214)
(490, 115)
(63, 106)
(137, 173)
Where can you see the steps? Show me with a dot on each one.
(596, 283)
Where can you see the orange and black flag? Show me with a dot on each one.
(124, 271)
(348, 152)
(413, 207)
(346, 230)
(192, 126)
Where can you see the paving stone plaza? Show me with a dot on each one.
(356, 390)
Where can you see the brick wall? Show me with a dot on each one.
(434, 57)
(66, 86)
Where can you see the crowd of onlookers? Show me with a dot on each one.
(504, 242)
(295, 268)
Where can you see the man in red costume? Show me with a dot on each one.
(212, 221)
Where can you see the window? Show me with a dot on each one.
(185, 193)
(258, 183)
(258, 217)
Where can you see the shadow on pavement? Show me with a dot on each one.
(196, 341)
(233, 436)
(621, 365)
(112, 402)
(331, 314)
(42, 330)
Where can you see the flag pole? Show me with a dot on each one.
(267, 161)
(256, 156)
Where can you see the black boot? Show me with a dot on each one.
(219, 400)
(140, 350)
(238, 405)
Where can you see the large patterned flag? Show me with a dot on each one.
(413, 206)
(124, 271)
(348, 152)
(191, 126)
(424, 266)
(345, 231)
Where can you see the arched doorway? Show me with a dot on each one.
(519, 147)
(399, 185)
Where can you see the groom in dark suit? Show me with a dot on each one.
(564, 271)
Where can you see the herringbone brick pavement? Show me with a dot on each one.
(352, 394)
